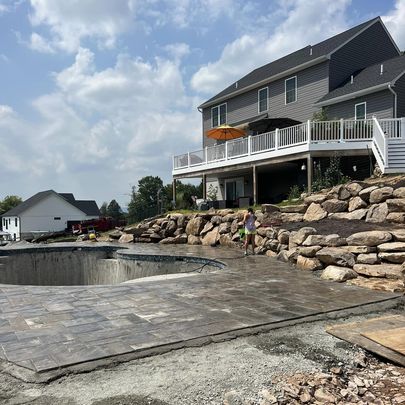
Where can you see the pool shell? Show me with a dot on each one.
(92, 265)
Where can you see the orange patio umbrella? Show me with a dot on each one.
(225, 133)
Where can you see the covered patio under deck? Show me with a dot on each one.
(270, 180)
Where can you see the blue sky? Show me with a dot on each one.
(95, 94)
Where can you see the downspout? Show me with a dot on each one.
(395, 99)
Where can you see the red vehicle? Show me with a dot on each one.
(99, 225)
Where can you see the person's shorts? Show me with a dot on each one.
(247, 232)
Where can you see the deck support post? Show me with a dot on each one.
(403, 128)
(204, 186)
(254, 185)
(309, 172)
(174, 194)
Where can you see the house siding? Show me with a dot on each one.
(379, 104)
(370, 47)
(312, 84)
(400, 90)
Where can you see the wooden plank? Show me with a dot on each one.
(393, 339)
(354, 333)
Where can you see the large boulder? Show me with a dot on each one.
(216, 220)
(332, 240)
(337, 273)
(357, 214)
(391, 247)
(309, 251)
(355, 203)
(269, 208)
(367, 258)
(308, 263)
(377, 213)
(360, 249)
(354, 188)
(380, 195)
(116, 234)
(211, 238)
(398, 234)
(335, 205)
(193, 240)
(296, 209)
(370, 238)
(393, 257)
(315, 198)
(134, 230)
(195, 226)
(226, 240)
(315, 212)
(396, 205)
(365, 193)
(207, 227)
(378, 284)
(291, 217)
(225, 227)
(392, 271)
(340, 257)
(399, 192)
(340, 192)
(126, 238)
(302, 234)
(283, 236)
(396, 217)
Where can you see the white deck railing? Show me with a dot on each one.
(290, 139)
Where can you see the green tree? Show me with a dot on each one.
(114, 210)
(103, 209)
(144, 198)
(184, 194)
(9, 202)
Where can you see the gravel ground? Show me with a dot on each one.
(241, 368)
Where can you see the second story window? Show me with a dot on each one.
(218, 115)
(16, 221)
(291, 90)
(360, 111)
(263, 96)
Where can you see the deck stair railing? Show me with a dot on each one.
(379, 133)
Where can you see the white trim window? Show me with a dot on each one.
(360, 111)
(218, 115)
(291, 90)
(263, 99)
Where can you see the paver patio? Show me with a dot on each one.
(48, 328)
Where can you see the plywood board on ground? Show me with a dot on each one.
(355, 333)
(393, 339)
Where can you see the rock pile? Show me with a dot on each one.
(375, 259)
(368, 382)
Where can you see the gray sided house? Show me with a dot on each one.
(356, 75)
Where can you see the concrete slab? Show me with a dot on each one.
(49, 331)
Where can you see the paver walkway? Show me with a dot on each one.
(44, 328)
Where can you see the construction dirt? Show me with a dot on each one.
(292, 365)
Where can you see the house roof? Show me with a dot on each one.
(89, 207)
(367, 80)
(299, 58)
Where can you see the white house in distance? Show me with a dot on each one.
(47, 211)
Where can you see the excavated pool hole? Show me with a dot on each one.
(92, 265)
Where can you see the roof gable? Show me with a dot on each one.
(368, 78)
(88, 207)
(297, 60)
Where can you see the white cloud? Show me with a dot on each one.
(178, 50)
(4, 58)
(72, 21)
(40, 44)
(103, 127)
(395, 23)
(256, 49)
